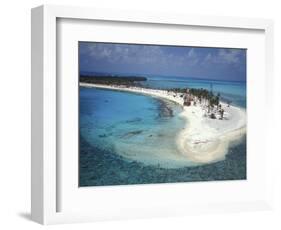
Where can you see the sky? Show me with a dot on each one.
(180, 61)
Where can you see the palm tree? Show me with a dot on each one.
(221, 112)
(218, 100)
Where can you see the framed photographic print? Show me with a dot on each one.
(139, 114)
(161, 114)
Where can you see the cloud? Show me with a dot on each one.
(137, 54)
(191, 53)
(230, 55)
(225, 56)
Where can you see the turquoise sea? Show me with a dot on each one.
(128, 138)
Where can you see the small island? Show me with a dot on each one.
(211, 124)
(111, 80)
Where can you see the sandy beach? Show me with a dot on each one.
(202, 140)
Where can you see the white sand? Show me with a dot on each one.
(202, 140)
(206, 140)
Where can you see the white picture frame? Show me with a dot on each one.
(45, 161)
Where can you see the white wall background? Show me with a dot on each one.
(15, 112)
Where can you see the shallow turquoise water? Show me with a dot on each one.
(127, 138)
(121, 122)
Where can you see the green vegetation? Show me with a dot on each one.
(110, 80)
(212, 100)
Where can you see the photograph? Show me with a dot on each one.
(151, 113)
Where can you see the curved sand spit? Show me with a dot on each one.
(202, 140)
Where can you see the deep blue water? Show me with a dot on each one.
(123, 134)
